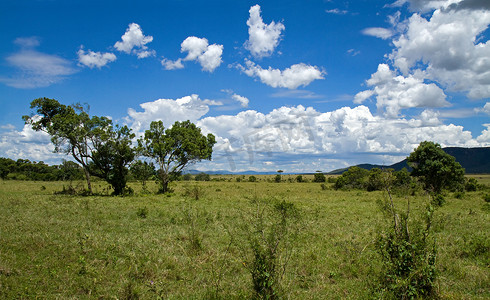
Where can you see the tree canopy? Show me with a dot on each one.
(175, 148)
(435, 168)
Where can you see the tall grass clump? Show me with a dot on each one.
(408, 254)
(269, 236)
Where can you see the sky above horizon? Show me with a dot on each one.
(299, 86)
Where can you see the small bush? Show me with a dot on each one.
(408, 254)
(486, 197)
(471, 185)
(142, 212)
(323, 186)
(319, 177)
(195, 192)
(202, 177)
(438, 200)
(299, 178)
(252, 179)
(277, 179)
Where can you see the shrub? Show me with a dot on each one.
(187, 177)
(252, 178)
(277, 178)
(408, 254)
(142, 212)
(202, 177)
(319, 177)
(270, 235)
(486, 197)
(471, 185)
(354, 178)
(299, 178)
(195, 192)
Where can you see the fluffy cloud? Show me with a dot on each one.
(378, 32)
(27, 143)
(168, 110)
(263, 38)
(446, 48)
(134, 41)
(394, 93)
(209, 56)
(35, 69)
(251, 138)
(172, 65)
(293, 77)
(242, 100)
(94, 59)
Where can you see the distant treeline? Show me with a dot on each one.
(24, 169)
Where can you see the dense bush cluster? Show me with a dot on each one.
(373, 180)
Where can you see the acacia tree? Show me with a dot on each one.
(113, 153)
(175, 148)
(93, 142)
(435, 168)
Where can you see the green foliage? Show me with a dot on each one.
(486, 198)
(319, 177)
(187, 177)
(270, 235)
(354, 178)
(142, 212)
(438, 200)
(93, 142)
(252, 178)
(471, 185)
(277, 178)
(113, 153)
(435, 168)
(299, 178)
(175, 148)
(202, 177)
(142, 171)
(195, 191)
(408, 253)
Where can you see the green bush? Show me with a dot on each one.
(252, 179)
(408, 253)
(471, 185)
(202, 177)
(319, 177)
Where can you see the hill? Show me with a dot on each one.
(473, 160)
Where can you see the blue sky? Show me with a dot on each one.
(293, 85)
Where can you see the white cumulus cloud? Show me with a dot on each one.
(169, 110)
(394, 93)
(242, 100)
(172, 65)
(382, 33)
(134, 41)
(446, 48)
(208, 56)
(293, 77)
(93, 59)
(263, 38)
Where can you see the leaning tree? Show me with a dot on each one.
(175, 148)
(93, 142)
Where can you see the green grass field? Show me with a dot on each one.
(175, 247)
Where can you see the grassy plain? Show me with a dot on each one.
(175, 247)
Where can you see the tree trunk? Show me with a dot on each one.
(87, 176)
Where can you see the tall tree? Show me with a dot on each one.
(175, 148)
(435, 168)
(72, 130)
(112, 155)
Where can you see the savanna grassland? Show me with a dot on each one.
(193, 243)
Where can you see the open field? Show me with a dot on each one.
(175, 247)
